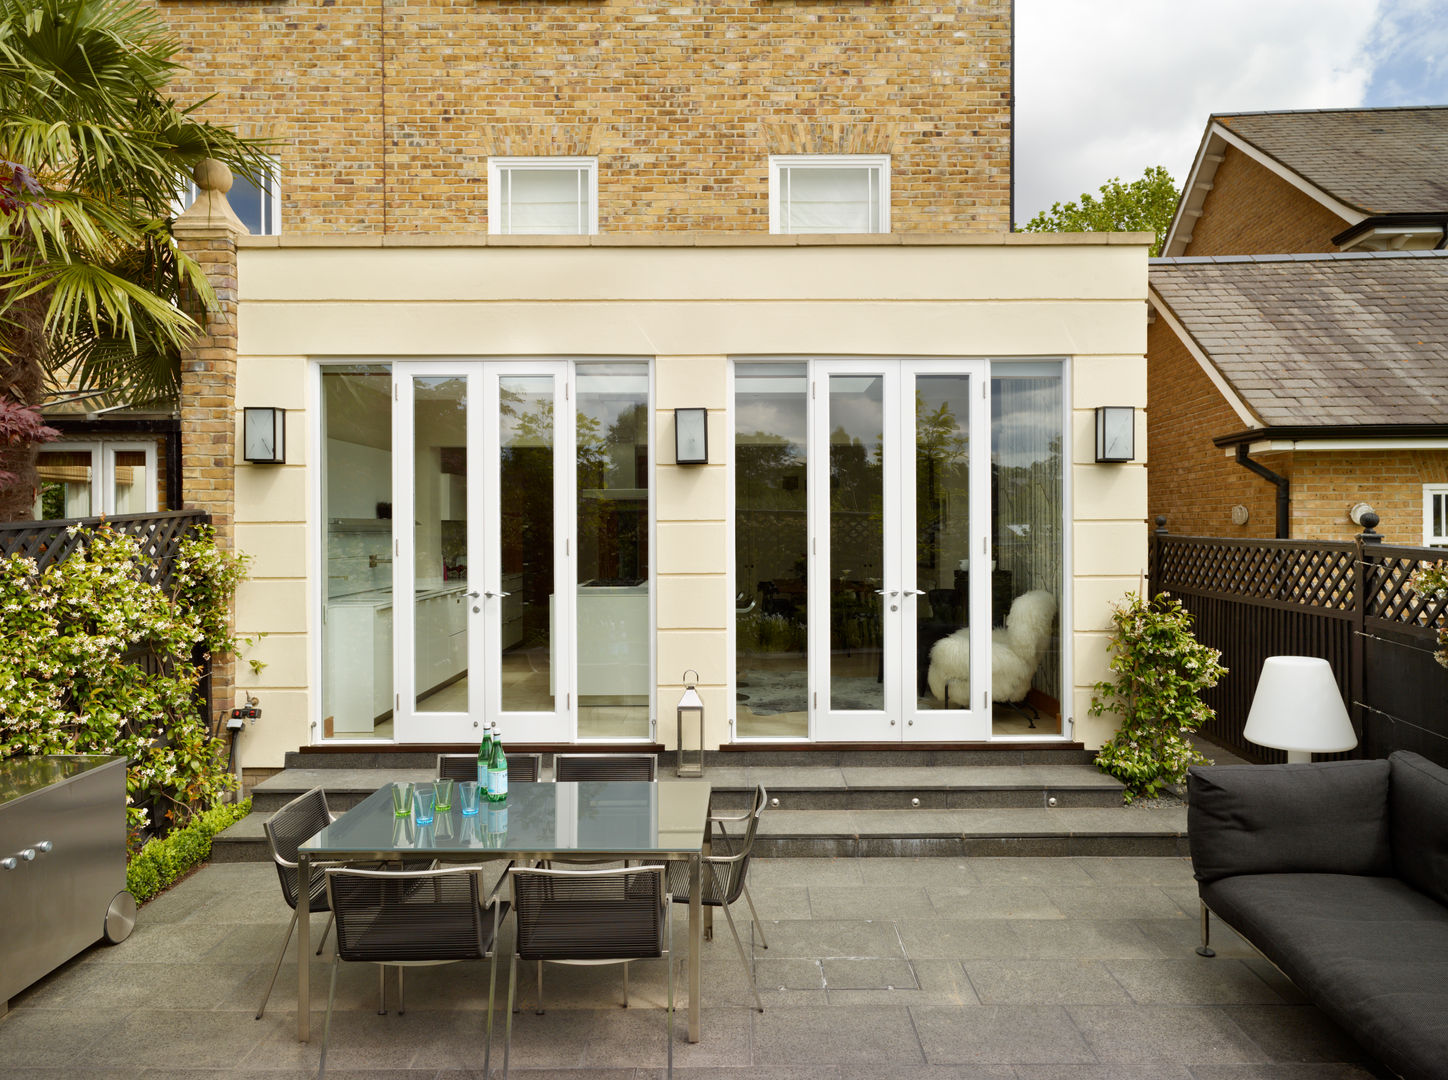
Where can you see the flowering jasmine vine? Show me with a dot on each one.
(1432, 582)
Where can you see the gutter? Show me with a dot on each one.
(1284, 489)
(1333, 431)
(1387, 221)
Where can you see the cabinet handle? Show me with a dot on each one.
(43, 847)
(28, 854)
(9, 862)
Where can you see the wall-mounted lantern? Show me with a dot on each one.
(1115, 433)
(264, 436)
(691, 706)
(691, 436)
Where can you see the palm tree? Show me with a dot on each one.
(94, 292)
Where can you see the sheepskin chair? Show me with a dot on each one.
(1016, 651)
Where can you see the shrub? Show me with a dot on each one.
(1161, 669)
(96, 659)
(161, 862)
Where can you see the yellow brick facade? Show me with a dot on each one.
(385, 114)
(1253, 211)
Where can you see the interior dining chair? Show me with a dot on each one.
(722, 877)
(290, 827)
(589, 917)
(568, 767)
(389, 918)
(522, 768)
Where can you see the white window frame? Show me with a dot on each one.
(271, 217)
(103, 470)
(499, 214)
(1430, 493)
(878, 166)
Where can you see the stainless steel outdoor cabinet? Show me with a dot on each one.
(62, 863)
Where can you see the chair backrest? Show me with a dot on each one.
(732, 867)
(613, 914)
(605, 767)
(289, 828)
(522, 768)
(402, 916)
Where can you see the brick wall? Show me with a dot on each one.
(1251, 211)
(1325, 484)
(386, 112)
(1189, 480)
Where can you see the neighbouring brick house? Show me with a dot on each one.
(1297, 363)
(622, 340)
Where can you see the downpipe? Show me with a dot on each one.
(1284, 489)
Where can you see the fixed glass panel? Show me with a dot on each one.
(1027, 539)
(942, 540)
(440, 543)
(132, 483)
(612, 643)
(526, 442)
(857, 542)
(771, 550)
(542, 199)
(829, 200)
(357, 694)
(66, 484)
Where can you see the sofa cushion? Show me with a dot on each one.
(1330, 817)
(1371, 952)
(1418, 810)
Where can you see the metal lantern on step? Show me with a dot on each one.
(691, 707)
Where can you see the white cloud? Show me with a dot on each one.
(1108, 89)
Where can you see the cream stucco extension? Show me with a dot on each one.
(857, 325)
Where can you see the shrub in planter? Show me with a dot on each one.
(1161, 669)
(161, 862)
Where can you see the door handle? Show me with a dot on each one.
(913, 592)
(889, 592)
(496, 595)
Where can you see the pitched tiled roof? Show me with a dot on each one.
(1352, 338)
(1382, 161)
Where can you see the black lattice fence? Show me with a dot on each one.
(1348, 602)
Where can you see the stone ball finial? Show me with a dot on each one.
(212, 175)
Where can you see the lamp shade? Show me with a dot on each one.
(1298, 707)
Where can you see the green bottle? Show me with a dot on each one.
(485, 754)
(497, 772)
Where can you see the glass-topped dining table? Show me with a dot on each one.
(589, 820)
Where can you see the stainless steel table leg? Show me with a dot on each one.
(696, 944)
(304, 948)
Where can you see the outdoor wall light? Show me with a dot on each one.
(691, 706)
(1115, 433)
(264, 436)
(1298, 708)
(691, 436)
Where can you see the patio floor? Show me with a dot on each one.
(918, 969)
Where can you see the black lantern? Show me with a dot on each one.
(691, 436)
(1115, 433)
(264, 436)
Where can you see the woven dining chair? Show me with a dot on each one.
(589, 917)
(723, 877)
(568, 767)
(290, 827)
(392, 919)
(522, 768)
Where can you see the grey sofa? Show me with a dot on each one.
(1337, 872)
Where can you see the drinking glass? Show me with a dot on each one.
(443, 789)
(422, 798)
(402, 799)
(468, 797)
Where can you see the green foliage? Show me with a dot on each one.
(1161, 669)
(1432, 581)
(757, 632)
(1144, 205)
(161, 862)
(95, 659)
(84, 111)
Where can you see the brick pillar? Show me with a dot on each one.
(207, 231)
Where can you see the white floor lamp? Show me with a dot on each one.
(1298, 708)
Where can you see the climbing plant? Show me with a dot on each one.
(97, 659)
(1432, 581)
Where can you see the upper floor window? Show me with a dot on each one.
(829, 193)
(551, 196)
(1435, 515)
(258, 206)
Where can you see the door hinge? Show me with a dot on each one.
(983, 389)
(985, 699)
(396, 548)
(568, 701)
(816, 699)
(397, 703)
(812, 386)
(396, 393)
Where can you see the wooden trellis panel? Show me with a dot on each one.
(49, 542)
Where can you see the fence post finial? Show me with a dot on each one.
(1160, 524)
(1369, 522)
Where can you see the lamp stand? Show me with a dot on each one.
(1299, 757)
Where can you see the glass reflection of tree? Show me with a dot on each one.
(941, 454)
(612, 529)
(525, 474)
(770, 492)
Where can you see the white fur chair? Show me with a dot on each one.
(1015, 653)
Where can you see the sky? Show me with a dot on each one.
(1107, 88)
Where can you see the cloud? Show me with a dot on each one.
(1107, 90)
(1408, 49)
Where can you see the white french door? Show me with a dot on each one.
(900, 499)
(482, 575)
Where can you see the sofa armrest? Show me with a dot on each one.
(1330, 817)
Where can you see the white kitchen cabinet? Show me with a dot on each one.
(358, 693)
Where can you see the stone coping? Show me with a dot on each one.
(688, 239)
